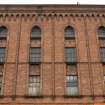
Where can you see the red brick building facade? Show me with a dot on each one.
(52, 54)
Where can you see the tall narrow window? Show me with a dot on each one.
(69, 32)
(34, 85)
(35, 55)
(70, 55)
(71, 85)
(36, 32)
(71, 62)
(102, 53)
(2, 55)
(101, 32)
(34, 88)
(3, 32)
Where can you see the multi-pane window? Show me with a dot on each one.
(101, 32)
(2, 55)
(3, 32)
(34, 62)
(36, 32)
(71, 85)
(34, 85)
(102, 53)
(35, 55)
(69, 32)
(3, 37)
(70, 55)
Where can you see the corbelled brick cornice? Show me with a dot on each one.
(43, 11)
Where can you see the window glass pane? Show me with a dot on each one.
(71, 85)
(35, 50)
(34, 85)
(70, 54)
(101, 31)
(2, 54)
(2, 50)
(3, 31)
(35, 55)
(30, 91)
(72, 91)
(71, 78)
(36, 32)
(102, 52)
(69, 32)
(35, 60)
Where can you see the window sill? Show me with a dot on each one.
(69, 38)
(1, 63)
(35, 38)
(34, 63)
(3, 38)
(71, 63)
(1, 96)
(101, 38)
(33, 96)
(103, 62)
(73, 96)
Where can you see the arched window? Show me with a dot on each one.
(34, 85)
(36, 32)
(3, 32)
(101, 32)
(69, 32)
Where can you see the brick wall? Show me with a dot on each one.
(53, 67)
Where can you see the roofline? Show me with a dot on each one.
(52, 5)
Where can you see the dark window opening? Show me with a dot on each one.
(36, 33)
(35, 55)
(70, 55)
(69, 32)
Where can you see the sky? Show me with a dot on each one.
(102, 2)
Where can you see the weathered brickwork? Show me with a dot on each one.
(52, 19)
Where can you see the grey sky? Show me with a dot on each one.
(52, 1)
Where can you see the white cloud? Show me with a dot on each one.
(52, 1)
